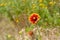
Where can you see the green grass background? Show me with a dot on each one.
(49, 16)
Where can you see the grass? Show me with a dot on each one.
(18, 12)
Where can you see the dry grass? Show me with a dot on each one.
(8, 28)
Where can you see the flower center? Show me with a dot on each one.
(34, 18)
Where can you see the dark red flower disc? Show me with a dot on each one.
(34, 17)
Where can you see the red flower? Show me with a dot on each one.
(34, 17)
(30, 33)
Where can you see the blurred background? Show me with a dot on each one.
(14, 23)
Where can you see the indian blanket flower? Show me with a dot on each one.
(33, 18)
(30, 33)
